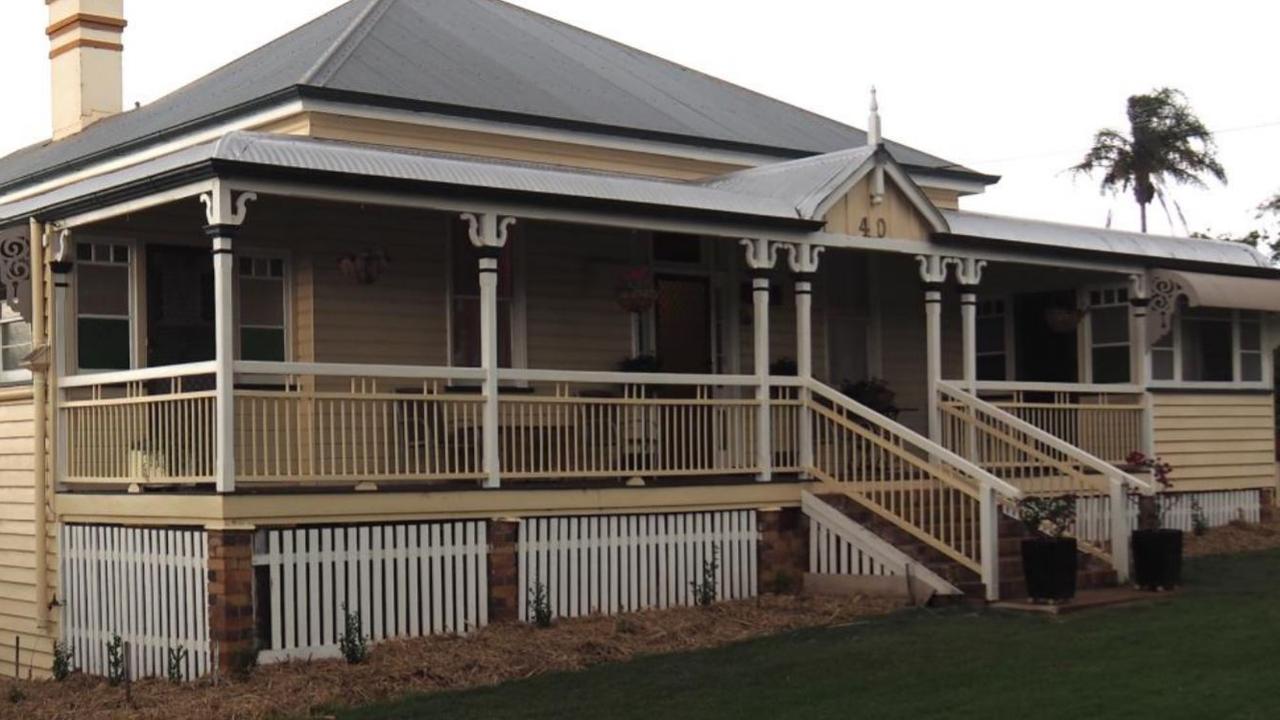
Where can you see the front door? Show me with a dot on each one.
(683, 324)
(1045, 352)
(180, 305)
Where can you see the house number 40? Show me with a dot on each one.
(881, 228)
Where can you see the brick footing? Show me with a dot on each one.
(784, 549)
(231, 615)
(504, 575)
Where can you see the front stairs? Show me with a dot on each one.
(1093, 572)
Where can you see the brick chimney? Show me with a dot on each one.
(85, 52)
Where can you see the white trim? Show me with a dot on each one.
(1100, 388)
(138, 205)
(403, 372)
(1223, 386)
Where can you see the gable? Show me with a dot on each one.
(896, 217)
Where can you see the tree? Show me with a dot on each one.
(1166, 144)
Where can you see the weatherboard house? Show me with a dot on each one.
(430, 305)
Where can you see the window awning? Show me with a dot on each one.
(1169, 287)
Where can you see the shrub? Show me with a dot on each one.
(353, 644)
(63, 661)
(706, 591)
(1199, 521)
(540, 605)
(177, 659)
(115, 661)
(1052, 516)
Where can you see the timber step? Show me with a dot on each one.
(1093, 573)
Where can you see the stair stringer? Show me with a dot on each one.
(891, 558)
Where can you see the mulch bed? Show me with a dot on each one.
(1237, 537)
(493, 655)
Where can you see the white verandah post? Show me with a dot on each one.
(933, 273)
(488, 234)
(969, 275)
(804, 267)
(60, 268)
(225, 214)
(762, 256)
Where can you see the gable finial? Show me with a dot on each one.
(874, 136)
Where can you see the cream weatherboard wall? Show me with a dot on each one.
(17, 541)
(1216, 441)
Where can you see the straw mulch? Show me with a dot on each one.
(493, 655)
(1238, 537)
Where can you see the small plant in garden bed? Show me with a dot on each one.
(177, 660)
(63, 661)
(540, 605)
(115, 661)
(1157, 551)
(706, 591)
(1049, 559)
(353, 644)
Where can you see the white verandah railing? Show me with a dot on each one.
(315, 423)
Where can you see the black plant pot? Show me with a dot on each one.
(1049, 566)
(1157, 559)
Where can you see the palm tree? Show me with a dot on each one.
(1166, 144)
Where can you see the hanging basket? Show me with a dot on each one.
(1063, 320)
(636, 291)
(364, 268)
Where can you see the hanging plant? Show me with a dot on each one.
(364, 268)
(1063, 320)
(637, 291)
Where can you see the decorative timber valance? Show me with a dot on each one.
(1169, 288)
(15, 270)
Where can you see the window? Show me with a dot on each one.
(262, 309)
(15, 341)
(1110, 357)
(464, 326)
(991, 340)
(1210, 345)
(103, 330)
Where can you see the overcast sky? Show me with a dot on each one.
(1009, 88)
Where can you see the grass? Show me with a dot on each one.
(1212, 651)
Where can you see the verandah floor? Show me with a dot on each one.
(1208, 653)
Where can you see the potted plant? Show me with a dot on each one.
(1157, 550)
(1049, 557)
(637, 291)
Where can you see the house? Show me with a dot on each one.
(432, 309)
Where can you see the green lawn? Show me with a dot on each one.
(1211, 652)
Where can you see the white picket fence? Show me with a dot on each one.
(1218, 507)
(611, 564)
(148, 586)
(404, 580)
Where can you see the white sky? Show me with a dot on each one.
(1012, 88)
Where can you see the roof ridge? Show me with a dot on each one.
(358, 30)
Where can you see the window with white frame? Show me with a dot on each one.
(992, 340)
(464, 308)
(262, 308)
(104, 339)
(15, 341)
(1110, 360)
(1209, 345)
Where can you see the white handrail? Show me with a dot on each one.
(404, 372)
(923, 443)
(584, 377)
(1087, 388)
(1102, 467)
(122, 377)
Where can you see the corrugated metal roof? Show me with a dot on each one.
(472, 56)
(267, 150)
(1079, 237)
(805, 184)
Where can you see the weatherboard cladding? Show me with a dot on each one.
(469, 57)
